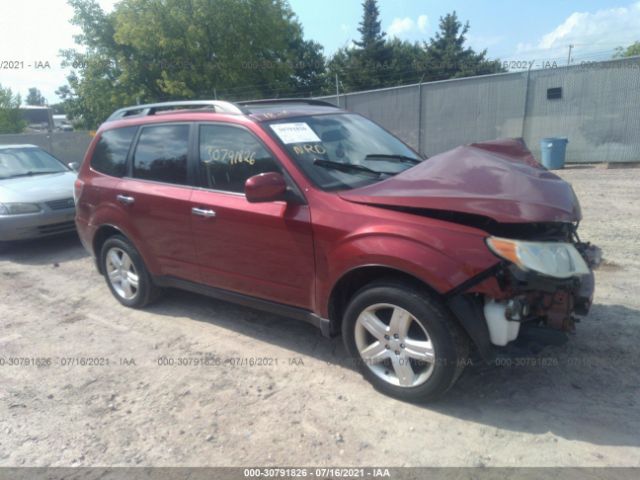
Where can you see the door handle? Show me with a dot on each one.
(125, 200)
(201, 212)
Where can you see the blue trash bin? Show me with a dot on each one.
(553, 152)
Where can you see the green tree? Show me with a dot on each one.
(407, 64)
(370, 61)
(34, 97)
(447, 57)
(339, 64)
(57, 108)
(94, 88)
(376, 62)
(11, 120)
(402, 64)
(365, 65)
(631, 51)
(155, 50)
(372, 36)
(309, 69)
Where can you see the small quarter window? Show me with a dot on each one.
(161, 154)
(110, 154)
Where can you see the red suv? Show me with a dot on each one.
(300, 208)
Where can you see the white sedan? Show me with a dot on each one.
(36, 193)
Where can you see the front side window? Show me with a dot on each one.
(230, 155)
(21, 162)
(161, 154)
(110, 154)
(342, 151)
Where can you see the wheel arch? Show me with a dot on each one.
(353, 280)
(103, 233)
(108, 230)
(464, 310)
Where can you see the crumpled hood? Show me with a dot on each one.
(37, 188)
(498, 179)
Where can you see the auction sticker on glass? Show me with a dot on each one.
(298, 132)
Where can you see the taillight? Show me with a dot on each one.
(77, 190)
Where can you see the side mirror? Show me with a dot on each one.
(73, 166)
(265, 187)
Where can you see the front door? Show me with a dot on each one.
(259, 249)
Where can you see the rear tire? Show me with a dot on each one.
(126, 274)
(404, 341)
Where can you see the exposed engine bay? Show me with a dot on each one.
(515, 300)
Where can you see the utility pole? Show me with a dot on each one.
(337, 91)
(569, 57)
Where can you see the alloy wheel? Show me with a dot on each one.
(122, 273)
(394, 345)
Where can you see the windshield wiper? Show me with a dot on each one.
(399, 158)
(348, 167)
(31, 173)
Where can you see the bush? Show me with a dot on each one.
(10, 117)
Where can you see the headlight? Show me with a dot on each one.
(18, 208)
(555, 259)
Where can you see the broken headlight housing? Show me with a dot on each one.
(554, 259)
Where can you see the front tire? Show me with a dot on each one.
(404, 341)
(126, 274)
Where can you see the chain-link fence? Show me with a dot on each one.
(67, 146)
(595, 105)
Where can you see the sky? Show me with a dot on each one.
(33, 31)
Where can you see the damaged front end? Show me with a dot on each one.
(543, 275)
(533, 296)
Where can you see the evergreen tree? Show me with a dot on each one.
(372, 36)
(447, 57)
(367, 65)
(377, 62)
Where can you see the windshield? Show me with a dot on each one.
(20, 162)
(343, 151)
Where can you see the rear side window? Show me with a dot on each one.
(161, 154)
(230, 155)
(110, 154)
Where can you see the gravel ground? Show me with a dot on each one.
(577, 406)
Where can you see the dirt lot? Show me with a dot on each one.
(580, 406)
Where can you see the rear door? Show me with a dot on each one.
(97, 186)
(259, 249)
(156, 194)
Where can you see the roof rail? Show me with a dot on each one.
(274, 101)
(219, 106)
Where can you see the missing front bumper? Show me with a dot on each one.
(527, 307)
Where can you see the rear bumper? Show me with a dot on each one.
(36, 225)
(86, 232)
